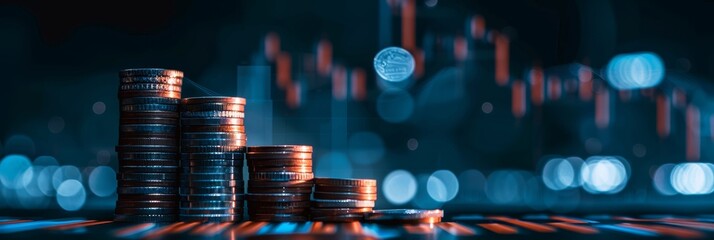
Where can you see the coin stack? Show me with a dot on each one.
(148, 145)
(280, 182)
(213, 142)
(342, 199)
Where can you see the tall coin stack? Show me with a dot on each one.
(343, 199)
(148, 145)
(213, 148)
(280, 182)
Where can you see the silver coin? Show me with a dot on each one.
(214, 184)
(209, 211)
(211, 163)
(277, 197)
(158, 128)
(213, 114)
(229, 190)
(192, 143)
(148, 169)
(214, 170)
(149, 108)
(134, 72)
(148, 120)
(213, 136)
(210, 204)
(146, 148)
(147, 176)
(170, 115)
(214, 148)
(213, 99)
(211, 176)
(212, 121)
(146, 183)
(149, 100)
(345, 182)
(149, 87)
(394, 64)
(147, 190)
(149, 93)
(280, 176)
(148, 141)
(211, 197)
(213, 107)
(342, 203)
(147, 156)
(152, 79)
(404, 214)
(213, 155)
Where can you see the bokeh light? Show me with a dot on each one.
(45, 161)
(487, 107)
(102, 181)
(635, 70)
(412, 144)
(365, 148)
(12, 169)
(442, 186)
(333, 164)
(661, 180)
(99, 108)
(693, 178)
(560, 173)
(71, 195)
(422, 199)
(395, 105)
(604, 175)
(399, 187)
(63, 173)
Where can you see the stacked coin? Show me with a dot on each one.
(148, 145)
(280, 182)
(342, 199)
(213, 144)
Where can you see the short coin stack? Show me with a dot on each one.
(343, 199)
(213, 144)
(280, 182)
(148, 146)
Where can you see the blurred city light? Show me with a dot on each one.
(399, 187)
(604, 175)
(693, 178)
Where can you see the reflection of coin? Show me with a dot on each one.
(394, 64)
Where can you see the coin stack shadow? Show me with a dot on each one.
(213, 143)
(280, 182)
(343, 199)
(147, 178)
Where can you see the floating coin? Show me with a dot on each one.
(345, 182)
(394, 64)
(342, 203)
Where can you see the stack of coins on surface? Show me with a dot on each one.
(213, 144)
(280, 182)
(406, 216)
(342, 199)
(148, 146)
